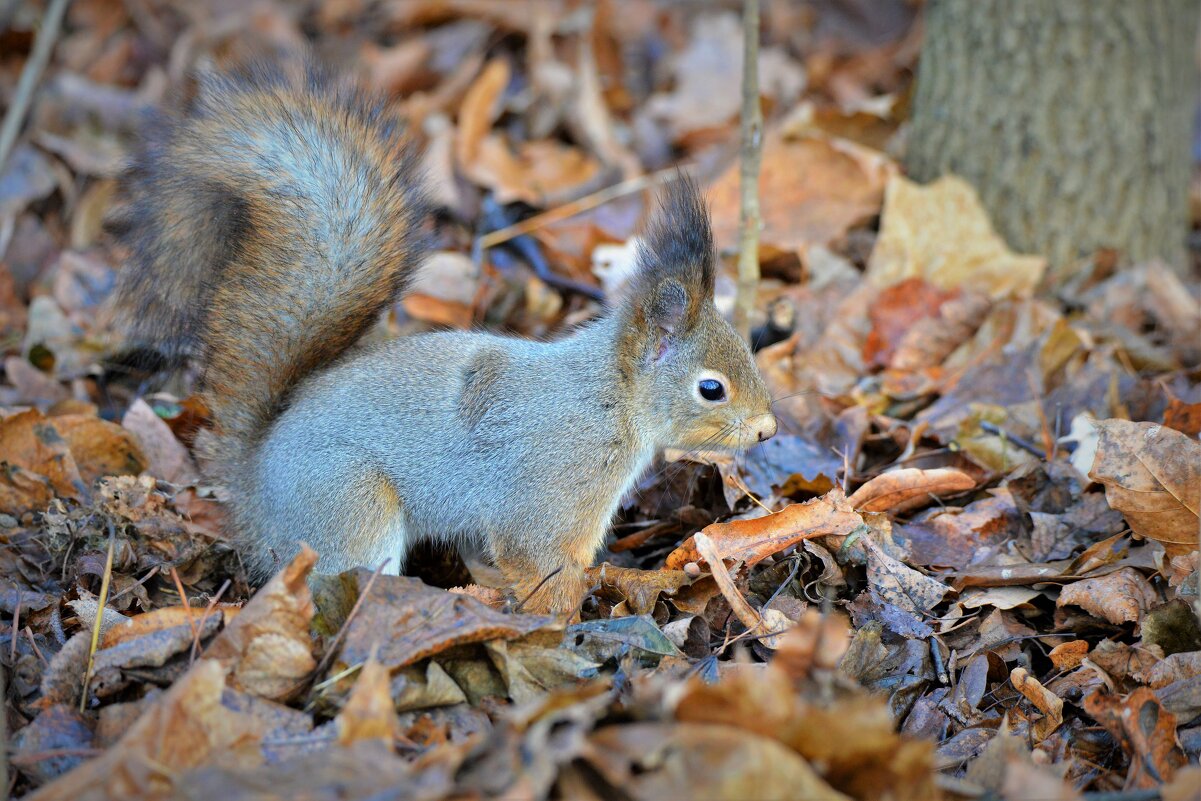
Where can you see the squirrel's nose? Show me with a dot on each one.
(767, 429)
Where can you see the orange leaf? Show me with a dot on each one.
(1152, 475)
(898, 490)
(751, 541)
(1146, 731)
(1045, 701)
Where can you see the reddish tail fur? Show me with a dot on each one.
(270, 225)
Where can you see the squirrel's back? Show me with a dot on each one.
(269, 226)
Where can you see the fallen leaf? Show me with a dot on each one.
(941, 232)
(751, 541)
(812, 192)
(57, 728)
(895, 311)
(661, 760)
(1186, 786)
(185, 728)
(479, 109)
(602, 640)
(999, 597)
(897, 490)
(892, 582)
(1119, 597)
(816, 641)
(641, 589)
(707, 72)
(1069, 655)
(1152, 475)
(408, 621)
(38, 464)
(1146, 731)
(166, 457)
(267, 649)
(1024, 780)
(1043, 700)
(766, 625)
(369, 713)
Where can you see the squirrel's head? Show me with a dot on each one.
(691, 371)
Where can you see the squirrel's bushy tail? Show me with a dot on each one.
(269, 225)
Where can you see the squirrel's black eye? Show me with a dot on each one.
(711, 390)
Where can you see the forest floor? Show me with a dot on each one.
(967, 567)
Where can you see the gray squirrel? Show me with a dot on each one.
(271, 224)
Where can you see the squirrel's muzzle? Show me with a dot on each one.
(765, 427)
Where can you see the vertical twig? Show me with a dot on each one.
(748, 172)
(32, 71)
(100, 604)
(3, 733)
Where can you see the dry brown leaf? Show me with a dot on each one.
(751, 541)
(899, 490)
(41, 466)
(536, 172)
(1119, 597)
(1045, 701)
(900, 585)
(654, 761)
(1146, 731)
(186, 727)
(369, 713)
(480, 107)
(1152, 475)
(1185, 787)
(162, 618)
(941, 232)
(725, 582)
(166, 456)
(539, 173)
(403, 621)
(267, 649)
(854, 737)
(1024, 781)
(812, 192)
(895, 311)
(100, 448)
(817, 641)
(641, 589)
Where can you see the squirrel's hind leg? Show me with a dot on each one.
(354, 518)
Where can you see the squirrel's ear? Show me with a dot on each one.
(676, 260)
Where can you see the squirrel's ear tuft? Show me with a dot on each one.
(676, 259)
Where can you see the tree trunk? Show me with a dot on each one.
(1072, 118)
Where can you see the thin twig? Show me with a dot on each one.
(1024, 444)
(586, 203)
(203, 618)
(153, 572)
(537, 587)
(100, 603)
(3, 731)
(748, 172)
(34, 644)
(12, 656)
(52, 21)
(187, 606)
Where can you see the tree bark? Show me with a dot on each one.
(1072, 118)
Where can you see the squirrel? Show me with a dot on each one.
(271, 224)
